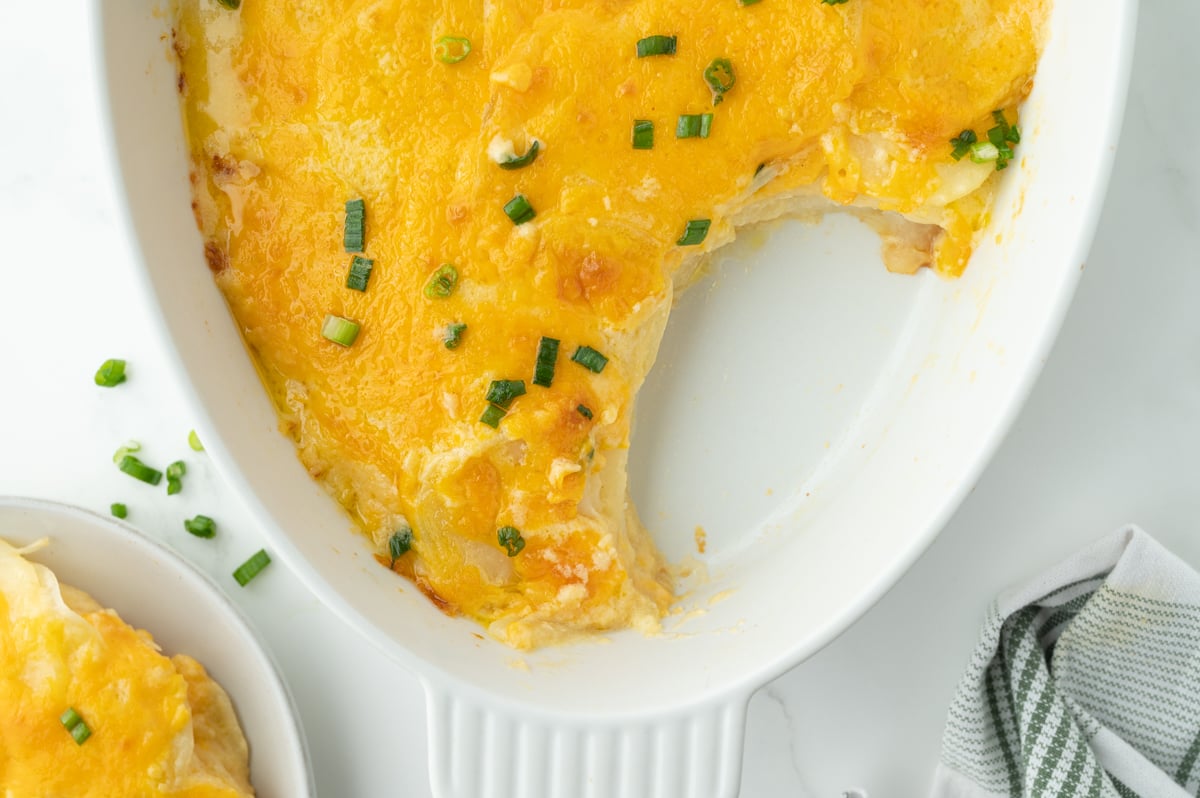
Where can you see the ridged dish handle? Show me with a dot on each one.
(482, 748)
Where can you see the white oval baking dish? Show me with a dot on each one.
(819, 464)
(152, 588)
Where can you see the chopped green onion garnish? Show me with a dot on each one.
(451, 49)
(590, 359)
(399, 544)
(519, 210)
(692, 126)
(502, 392)
(510, 538)
(962, 144)
(201, 526)
(521, 161)
(339, 330)
(656, 45)
(111, 373)
(74, 724)
(360, 273)
(492, 415)
(118, 510)
(174, 486)
(128, 448)
(643, 134)
(584, 410)
(251, 567)
(230, 4)
(453, 336)
(1012, 133)
(1002, 136)
(194, 442)
(984, 151)
(80, 732)
(694, 233)
(139, 470)
(356, 217)
(719, 77)
(176, 470)
(442, 281)
(547, 356)
(833, 2)
(748, 2)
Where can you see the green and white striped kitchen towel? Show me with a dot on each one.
(1086, 683)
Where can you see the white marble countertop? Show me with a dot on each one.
(1110, 434)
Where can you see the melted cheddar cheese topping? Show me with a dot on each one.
(293, 109)
(158, 726)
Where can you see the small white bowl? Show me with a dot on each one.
(153, 589)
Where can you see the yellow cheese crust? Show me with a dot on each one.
(160, 727)
(293, 110)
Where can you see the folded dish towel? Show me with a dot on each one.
(1086, 683)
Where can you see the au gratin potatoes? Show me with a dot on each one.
(451, 233)
(89, 707)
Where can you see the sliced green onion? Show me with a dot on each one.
(510, 538)
(451, 49)
(492, 415)
(201, 526)
(656, 45)
(139, 470)
(590, 359)
(353, 236)
(251, 567)
(360, 273)
(547, 356)
(519, 210)
(694, 233)
(80, 733)
(748, 2)
(521, 161)
(339, 330)
(442, 282)
(175, 472)
(1002, 136)
(111, 373)
(118, 510)
(1012, 134)
(584, 410)
(691, 126)
(74, 724)
(399, 544)
(833, 2)
(962, 144)
(502, 392)
(984, 151)
(194, 442)
(719, 77)
(643, 134)
(230, 4)
(454, 334)
(129, 447)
